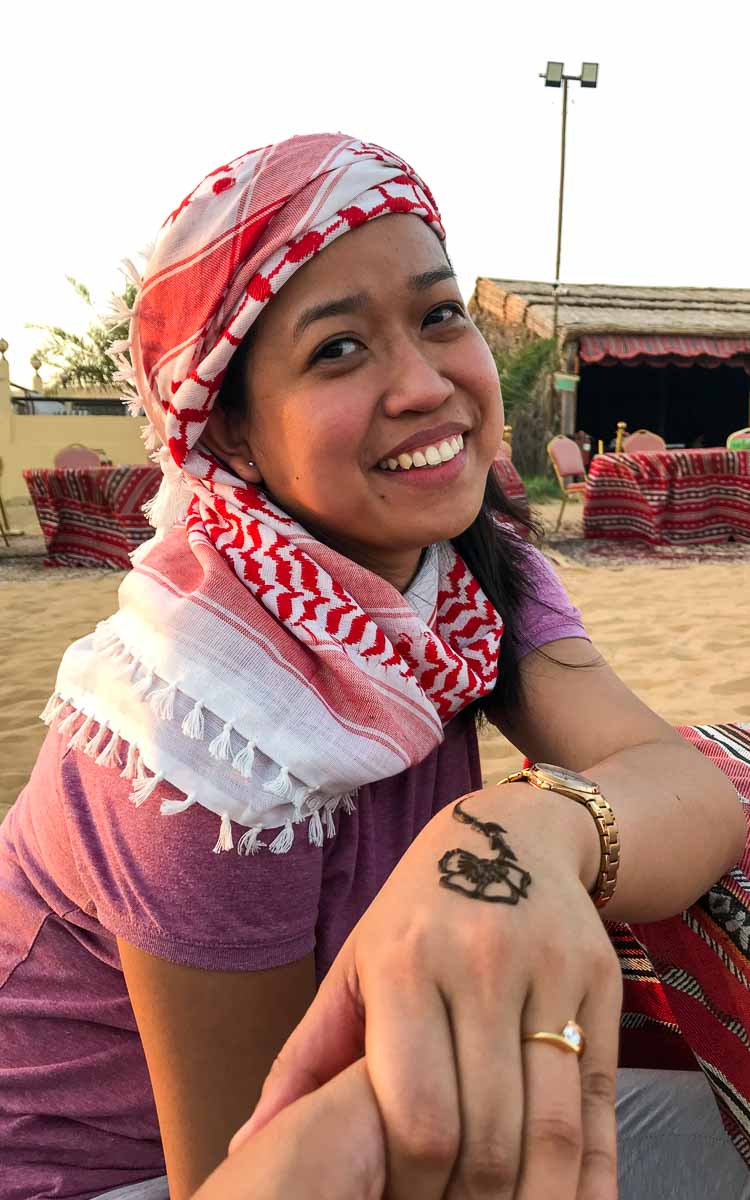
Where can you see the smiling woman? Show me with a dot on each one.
(291, 679)
(335, 385)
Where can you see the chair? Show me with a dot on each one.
(643, 439)
(76, 455)
(740, 439)
(567, 462)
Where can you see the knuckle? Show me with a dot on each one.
(603, 957)
(487, 1168)
(557, 1134)
(555, 958)
(599, 1087)
(430, 1141)
(598, 1166)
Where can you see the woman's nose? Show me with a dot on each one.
(415, 385)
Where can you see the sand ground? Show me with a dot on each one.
(676, 630)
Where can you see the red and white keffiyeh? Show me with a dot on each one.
(259, 672)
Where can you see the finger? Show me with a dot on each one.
(302, 1152)
(489, 1063)
(410, 1061)
(600, 1018)
(552, 1132)
(329, 1038)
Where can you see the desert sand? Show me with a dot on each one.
(677, 632)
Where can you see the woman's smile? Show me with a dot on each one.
(430, 464)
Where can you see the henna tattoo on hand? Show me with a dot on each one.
(483, 873)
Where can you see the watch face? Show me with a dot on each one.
(565, 778)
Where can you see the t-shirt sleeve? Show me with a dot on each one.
(546, 612)
(153, 880)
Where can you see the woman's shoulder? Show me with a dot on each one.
(546, 612)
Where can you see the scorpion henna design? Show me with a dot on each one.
(479, 874)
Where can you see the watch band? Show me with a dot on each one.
(609, 842)
(606, 825)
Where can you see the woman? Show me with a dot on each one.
(293, 679)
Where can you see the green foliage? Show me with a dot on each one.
(82, 360)
(521, 370)
(540, 488)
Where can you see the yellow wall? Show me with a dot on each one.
(33, 441)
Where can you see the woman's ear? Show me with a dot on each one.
(225, 434)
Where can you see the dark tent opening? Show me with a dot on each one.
(688, 405)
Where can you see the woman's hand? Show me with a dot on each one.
(439, 988)
(329, 1144)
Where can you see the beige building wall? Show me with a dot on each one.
(33, 441)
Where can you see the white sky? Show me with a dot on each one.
(113, 111)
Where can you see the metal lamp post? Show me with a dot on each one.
(555, 76)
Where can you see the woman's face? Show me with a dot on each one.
(362, 368)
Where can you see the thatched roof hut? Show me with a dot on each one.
(643, 336)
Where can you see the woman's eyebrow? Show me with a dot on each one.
(420, 283)
(331, 308)
(358, 301)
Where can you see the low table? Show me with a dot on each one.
(680, 497)
(91, 517)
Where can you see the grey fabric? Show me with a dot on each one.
(671, 1143)
(150, 1189)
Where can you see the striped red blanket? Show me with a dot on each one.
(680, 497)
(687, 980)
(93, 517)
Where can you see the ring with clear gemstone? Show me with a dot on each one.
(571, 1038)
(574, 1036)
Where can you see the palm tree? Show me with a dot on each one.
(83, 360)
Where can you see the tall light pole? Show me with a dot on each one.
(555, 76)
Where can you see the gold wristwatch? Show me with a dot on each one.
(583, 791)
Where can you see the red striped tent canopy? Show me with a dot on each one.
(634, 350)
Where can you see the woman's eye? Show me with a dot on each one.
(339, 348)
(444, 313)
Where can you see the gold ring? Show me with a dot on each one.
(571, 1037)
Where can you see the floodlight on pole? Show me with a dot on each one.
(555, 76)
(589, 74)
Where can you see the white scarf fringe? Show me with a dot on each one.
(108, 747)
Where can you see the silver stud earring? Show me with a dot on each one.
(250, 463)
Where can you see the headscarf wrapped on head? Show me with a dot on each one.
(229, 247)
(257, 671)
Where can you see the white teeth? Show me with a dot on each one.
(429, 456)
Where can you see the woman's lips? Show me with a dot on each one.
(427, 476)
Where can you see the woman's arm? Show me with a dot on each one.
(681, 823)
(467, 1106)
(209, 1038)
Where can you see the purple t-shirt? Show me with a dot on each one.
(80, 867)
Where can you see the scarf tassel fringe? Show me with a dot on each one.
(105, 745)
(221, 746)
